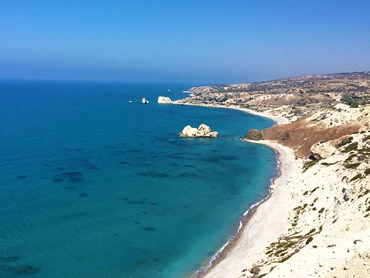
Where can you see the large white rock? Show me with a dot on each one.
(189, 131)
(322, 150)
(164, 100)
(202, 131)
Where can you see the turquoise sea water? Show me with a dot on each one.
(92, 185)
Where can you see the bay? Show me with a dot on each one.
(93, 185)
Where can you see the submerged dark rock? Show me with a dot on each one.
(72, 176)
(9, 259)
(22, 269)
(149, 229)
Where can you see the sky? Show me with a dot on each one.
(203, 41)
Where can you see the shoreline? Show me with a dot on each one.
(285, 158)
(258, 217)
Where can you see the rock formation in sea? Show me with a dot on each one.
(202, 131)
(144, 100)
(164, 100)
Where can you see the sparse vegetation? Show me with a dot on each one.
(309, 164)
(352, 166)
(351, 147)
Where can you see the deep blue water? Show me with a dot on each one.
(94, 186)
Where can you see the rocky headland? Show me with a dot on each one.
(316, 221)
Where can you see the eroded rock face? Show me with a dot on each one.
(203, 131)
(322, 150)
(164, 100)
(253, 134)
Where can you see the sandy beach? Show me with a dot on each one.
(266, 224)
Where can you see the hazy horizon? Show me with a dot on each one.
(183, 41)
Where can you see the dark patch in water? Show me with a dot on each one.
(69, 187)
(82, 195)
(175, 156)
(134, 151)
(149, 229)
(9, 259)
(21, 176)
(189, 166)
(86, 163)
(185, 206)
(187, 175)
(152, 174)
(228, 157)
(76, 179)
(153, 203)
(116, 234)
(157, 260)
(71, 174)
(122, 162)
(221, 157)
(140, 261)
(57, 179)
(210, 159)
(137, 222)
(145, 164)
(144, 212)
(22, 269)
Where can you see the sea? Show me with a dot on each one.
(94, 184)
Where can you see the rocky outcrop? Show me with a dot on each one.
(164, 100)
(144, 100)
(253, 134)
(202, 131)
(322, 150)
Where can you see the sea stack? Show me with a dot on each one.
(144, 100)
(164, 100)
(203, 131)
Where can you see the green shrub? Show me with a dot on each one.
(358, 176)
(309, 164)
(351, 147)
(352, 166)
(309, 240)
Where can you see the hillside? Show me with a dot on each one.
(315, 224)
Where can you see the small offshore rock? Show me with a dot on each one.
(253, 134)
(144, 100)
(164, 100)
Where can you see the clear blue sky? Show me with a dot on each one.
(205, 41)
